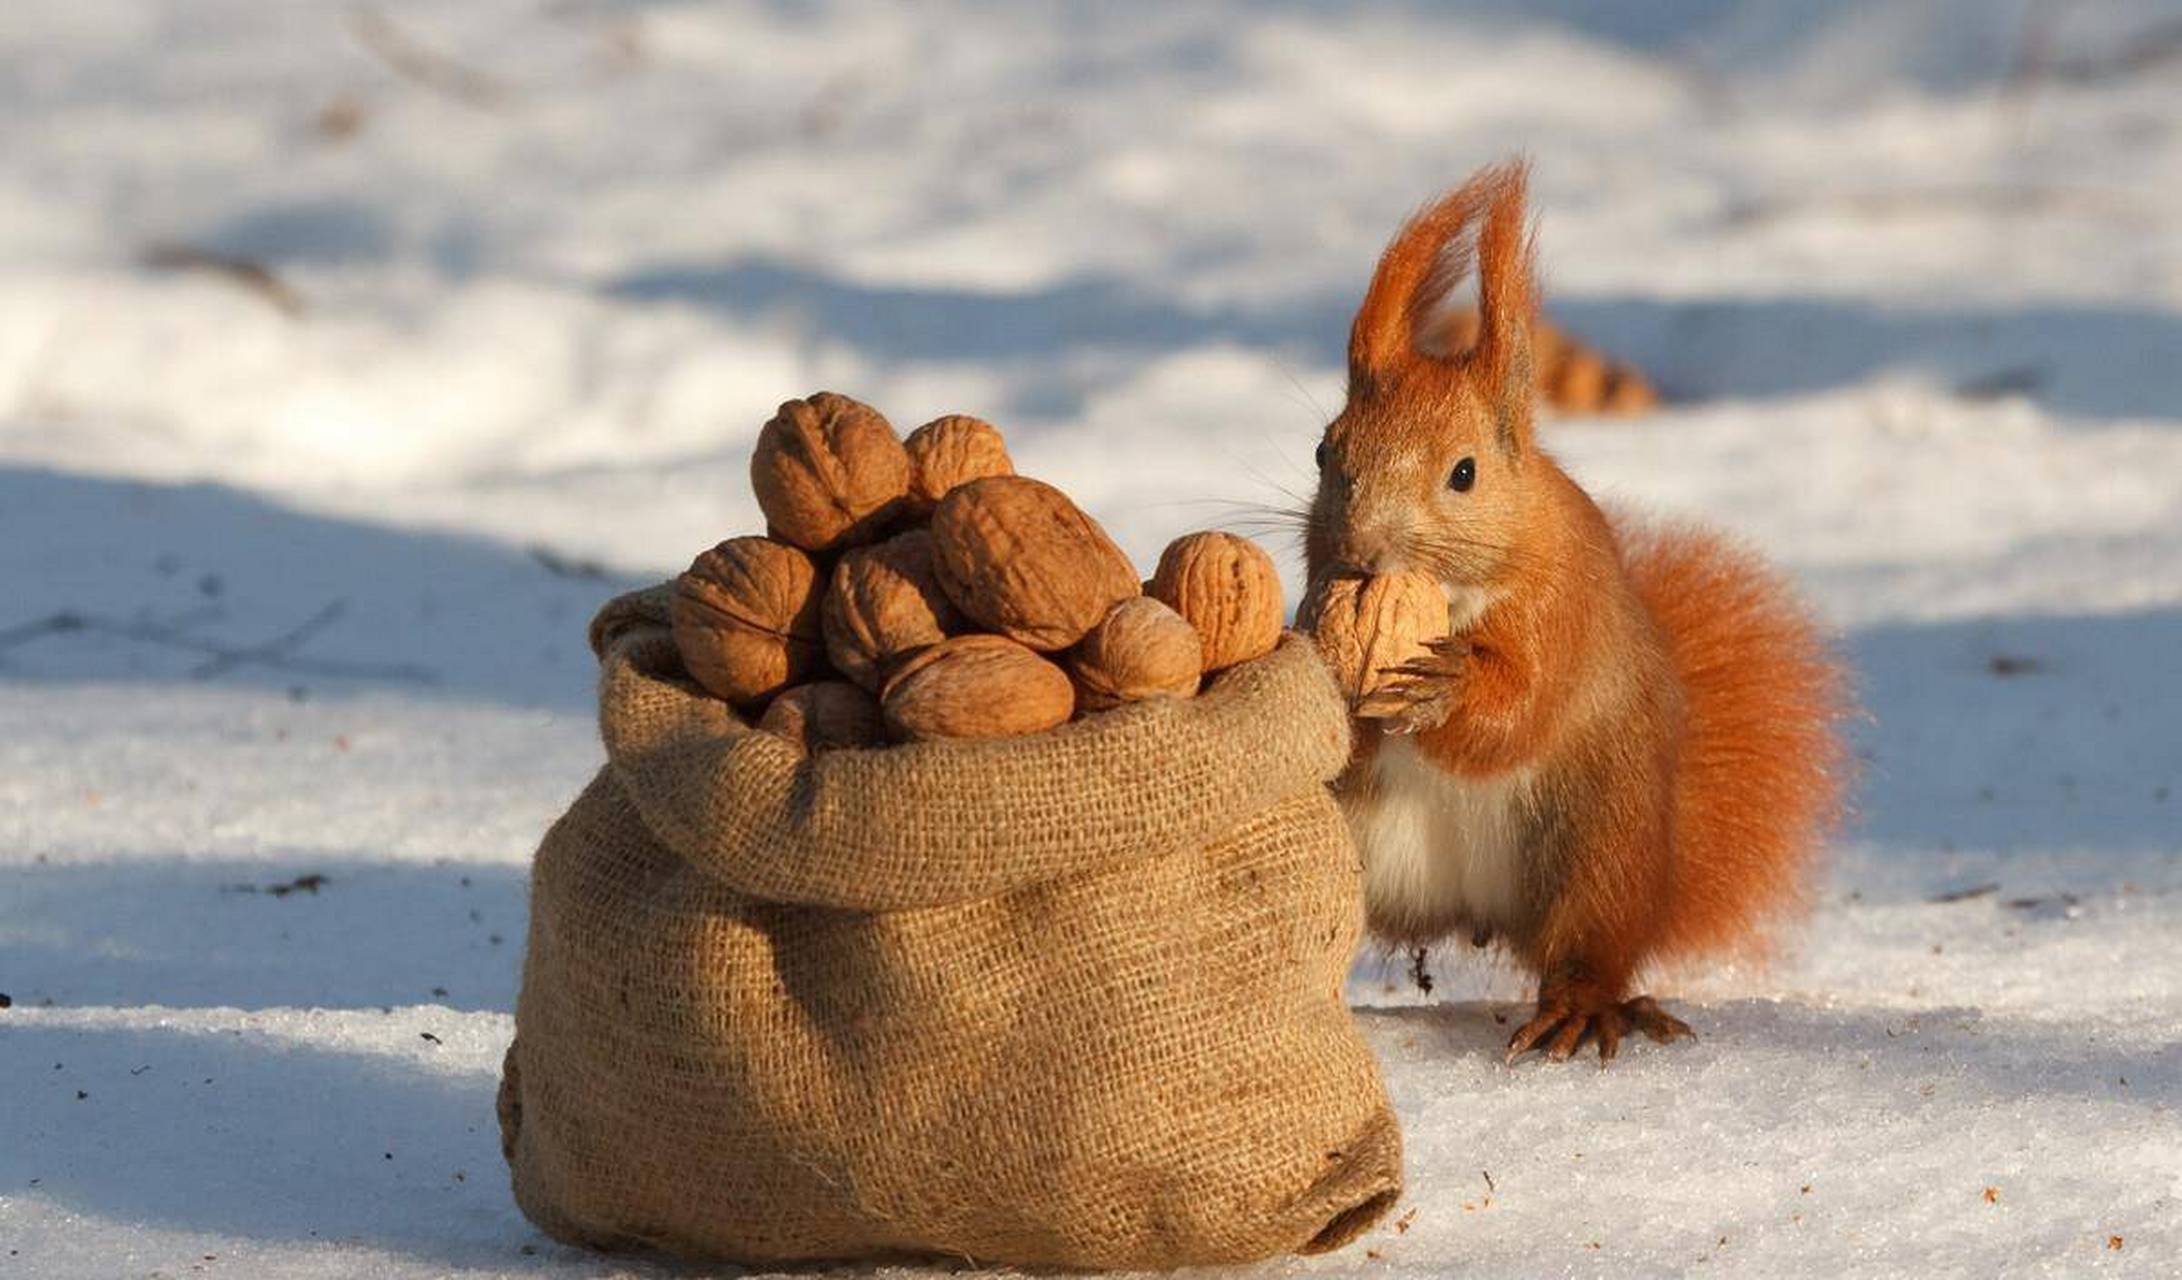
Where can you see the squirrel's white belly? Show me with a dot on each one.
(1440, 852)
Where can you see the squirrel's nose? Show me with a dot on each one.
(1368, 552)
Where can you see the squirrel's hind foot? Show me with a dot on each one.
(1564, 1022)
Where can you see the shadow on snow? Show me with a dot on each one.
(245, 934)
(203, 583)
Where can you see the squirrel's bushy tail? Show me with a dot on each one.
(1763, 766)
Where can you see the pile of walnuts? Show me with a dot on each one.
(919, 588)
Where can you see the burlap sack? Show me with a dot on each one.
(1071, 1000)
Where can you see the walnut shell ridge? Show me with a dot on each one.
(947, 453)
(829, 472)
(745, 617)
(977, 686)
(885, 601)
(1020, 559)
(1365, 626)
(1142, 649)
(824, 715)
(1227, 588)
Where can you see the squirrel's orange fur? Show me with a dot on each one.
(1625, 751)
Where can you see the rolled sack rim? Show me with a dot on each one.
(929, 823)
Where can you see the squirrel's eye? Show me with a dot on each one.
(1321, 455)
(1464, 475)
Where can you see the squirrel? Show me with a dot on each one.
(1624, 751)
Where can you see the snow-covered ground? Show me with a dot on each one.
(294, 567)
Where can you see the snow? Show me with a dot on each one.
(300, 593)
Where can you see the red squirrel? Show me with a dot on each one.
(1624, 750)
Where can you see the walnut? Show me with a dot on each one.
(1228, 589)
(826, 714)
(977, 686)
(828, 472)
(746, 618)
(952, 451)
(1019, 558)
(885, 601)
(1366, 626)
(1142, 649)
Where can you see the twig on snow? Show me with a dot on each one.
(277, 654)
(253, 276)
(423, 66)
(565, 566)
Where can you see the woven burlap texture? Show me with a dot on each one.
(1072, 1000)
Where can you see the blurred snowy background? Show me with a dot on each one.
(350, 354)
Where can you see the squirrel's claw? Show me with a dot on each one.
(1449, 649)
(1528, 1035)
(1661, 1026)
(1412, 704)
(1420, 694)
(1568, 1026)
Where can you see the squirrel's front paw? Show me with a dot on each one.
(1420, 695)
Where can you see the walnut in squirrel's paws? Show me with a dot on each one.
(1378, 636)
(1418, 695)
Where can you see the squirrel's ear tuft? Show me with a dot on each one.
(1507, 303)
(1425, 259)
